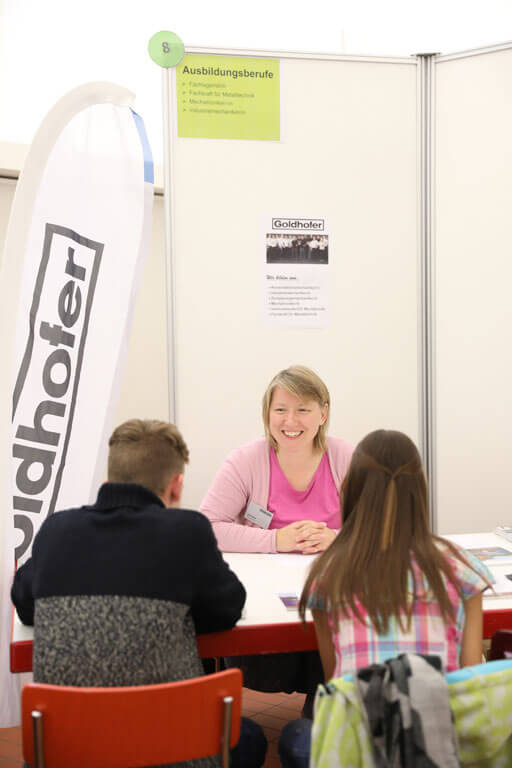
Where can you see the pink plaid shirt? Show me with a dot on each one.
(358, 645)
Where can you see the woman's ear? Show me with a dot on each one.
(325, 411)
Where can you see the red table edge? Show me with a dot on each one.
(259, 638)
(20, 653)
(498, 618)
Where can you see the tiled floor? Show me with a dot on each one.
(10, 747)
(270, 710)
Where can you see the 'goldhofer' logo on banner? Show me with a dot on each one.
(47, 384)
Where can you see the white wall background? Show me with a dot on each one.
(7, 187)
(473, 286)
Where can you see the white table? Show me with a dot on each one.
(492, 605)
(266, 625)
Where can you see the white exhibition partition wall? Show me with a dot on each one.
(144, 388)
(7, 188)
(473, 307)
(349, 153)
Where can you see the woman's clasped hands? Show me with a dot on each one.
(306, 536)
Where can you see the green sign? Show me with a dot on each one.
(166, 49)
(226, 97)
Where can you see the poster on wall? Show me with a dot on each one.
(228, 97)
(296, 272)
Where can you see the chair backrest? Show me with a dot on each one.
(132, 726)
(501, 644)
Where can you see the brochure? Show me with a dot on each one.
(291, 601)
(502, 586)
(494, 555)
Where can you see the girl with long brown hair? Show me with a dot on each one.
(386, 585)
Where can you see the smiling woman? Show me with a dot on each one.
(297, 463)
(281, 493)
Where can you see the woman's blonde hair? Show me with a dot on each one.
(305, 384)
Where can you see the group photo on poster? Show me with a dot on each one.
(297, 249)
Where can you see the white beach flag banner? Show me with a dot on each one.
(77, 237)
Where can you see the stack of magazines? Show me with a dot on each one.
(505, 531)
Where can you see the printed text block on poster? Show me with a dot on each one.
(227, 97)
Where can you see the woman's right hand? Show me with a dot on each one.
(291, 538)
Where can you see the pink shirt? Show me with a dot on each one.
(320, 501)
(245, 477)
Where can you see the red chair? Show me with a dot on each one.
(135, 726)
(501, 645)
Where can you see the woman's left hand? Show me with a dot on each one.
(314, 537)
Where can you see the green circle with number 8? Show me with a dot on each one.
(166, 49)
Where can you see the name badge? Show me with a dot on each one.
(258, 515)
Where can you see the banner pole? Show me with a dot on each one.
(167, 50)
(168, 126)
(427, 282)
